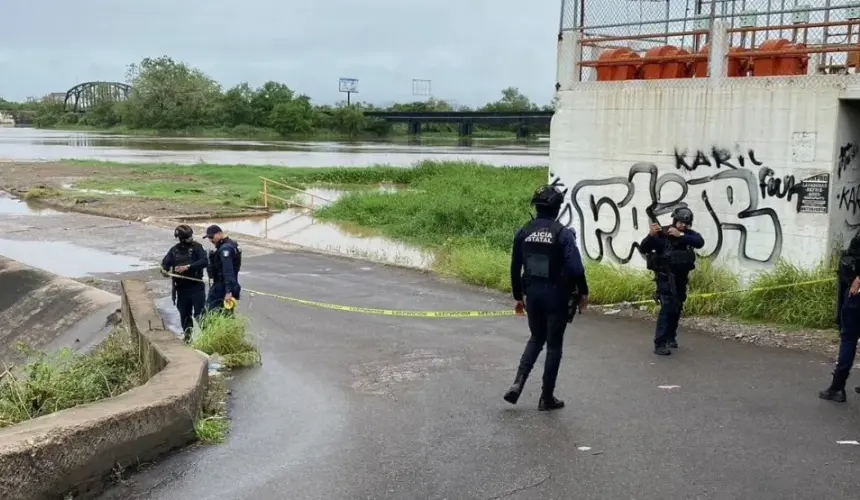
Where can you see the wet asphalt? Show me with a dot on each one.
(355, 406)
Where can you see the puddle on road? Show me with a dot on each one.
(12, 206)
(299, 227)
(68, 260)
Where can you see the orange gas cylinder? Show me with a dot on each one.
(736, 64)
(676, 69)
(793, 64)
(768, 65)
(625, 71)
(700, 67)
(604, 72)
(653, 70)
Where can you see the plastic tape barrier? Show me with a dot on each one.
(485, 314)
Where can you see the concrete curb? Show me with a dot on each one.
(75, 450)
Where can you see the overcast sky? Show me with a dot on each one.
(470, 49)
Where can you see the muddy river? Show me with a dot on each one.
(29, 144)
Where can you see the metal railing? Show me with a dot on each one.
(811, 27)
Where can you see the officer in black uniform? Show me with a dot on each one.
(224, 264)
(669, 253)
(553, 276)
(849, 323)
(846, 274)
(187, 258)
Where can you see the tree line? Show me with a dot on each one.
(169, 95)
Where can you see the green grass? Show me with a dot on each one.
(467, 213)
(213, 424)
(56, 381)
(228, 337)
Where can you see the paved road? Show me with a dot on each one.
(351, 406)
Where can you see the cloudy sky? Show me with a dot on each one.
(470, 49)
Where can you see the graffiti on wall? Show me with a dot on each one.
(848, 197)
(731, 190)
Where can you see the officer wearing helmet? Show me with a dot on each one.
(553, 273)
(187, 258)
(669, 253)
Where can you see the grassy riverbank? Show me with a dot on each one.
(467, 215)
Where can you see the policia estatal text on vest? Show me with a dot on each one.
(224, 264)
(554, 275)
(187, 258)
(668, 251)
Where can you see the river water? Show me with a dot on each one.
(296, 225)
(29, 144)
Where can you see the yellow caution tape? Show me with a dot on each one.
(475, 314)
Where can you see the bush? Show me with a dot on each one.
(228, 337)
(54, 382)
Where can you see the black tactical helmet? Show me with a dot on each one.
(682, 214)
(183, 232)
(548, 196)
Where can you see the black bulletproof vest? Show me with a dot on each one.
(847, 259)
(183, 255)
(543, 256)
(676, 256)
(215, 269)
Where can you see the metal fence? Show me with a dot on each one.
(825, 32)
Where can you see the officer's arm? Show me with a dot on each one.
(648, 244)
(167, 261)
(573, 260)
(693, 239)
(517, 266)
(227, 267)
(200, 259)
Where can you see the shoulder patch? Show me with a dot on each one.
(226, 253)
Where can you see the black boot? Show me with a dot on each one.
(549, 402)
(836, 391)
(513, 394)
(673, 344)
(857, 389)
(662, 350)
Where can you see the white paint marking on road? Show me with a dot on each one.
(366, 269)
(855, 443)
(584, 448)
(669, 387)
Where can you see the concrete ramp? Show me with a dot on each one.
(46, 311)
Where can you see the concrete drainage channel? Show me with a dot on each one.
(74, 451)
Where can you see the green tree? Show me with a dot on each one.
(169, 95)
(236, 106)
(512, 100)
(266, 98)
(348, 120)
(295, 116)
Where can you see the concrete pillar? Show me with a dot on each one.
(718, 51)
(569, 54)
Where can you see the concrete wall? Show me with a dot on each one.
(74, 450)
(759, 160)
(38, 308)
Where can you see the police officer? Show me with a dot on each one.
(187, 258)
(553, 273)
(224, 264)
(849, 324)
(669, 253)
(846, 274)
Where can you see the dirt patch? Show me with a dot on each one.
(55, 182)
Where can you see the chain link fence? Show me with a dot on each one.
(826, 29)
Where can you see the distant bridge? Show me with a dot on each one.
(83, 96)
(465, 120)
